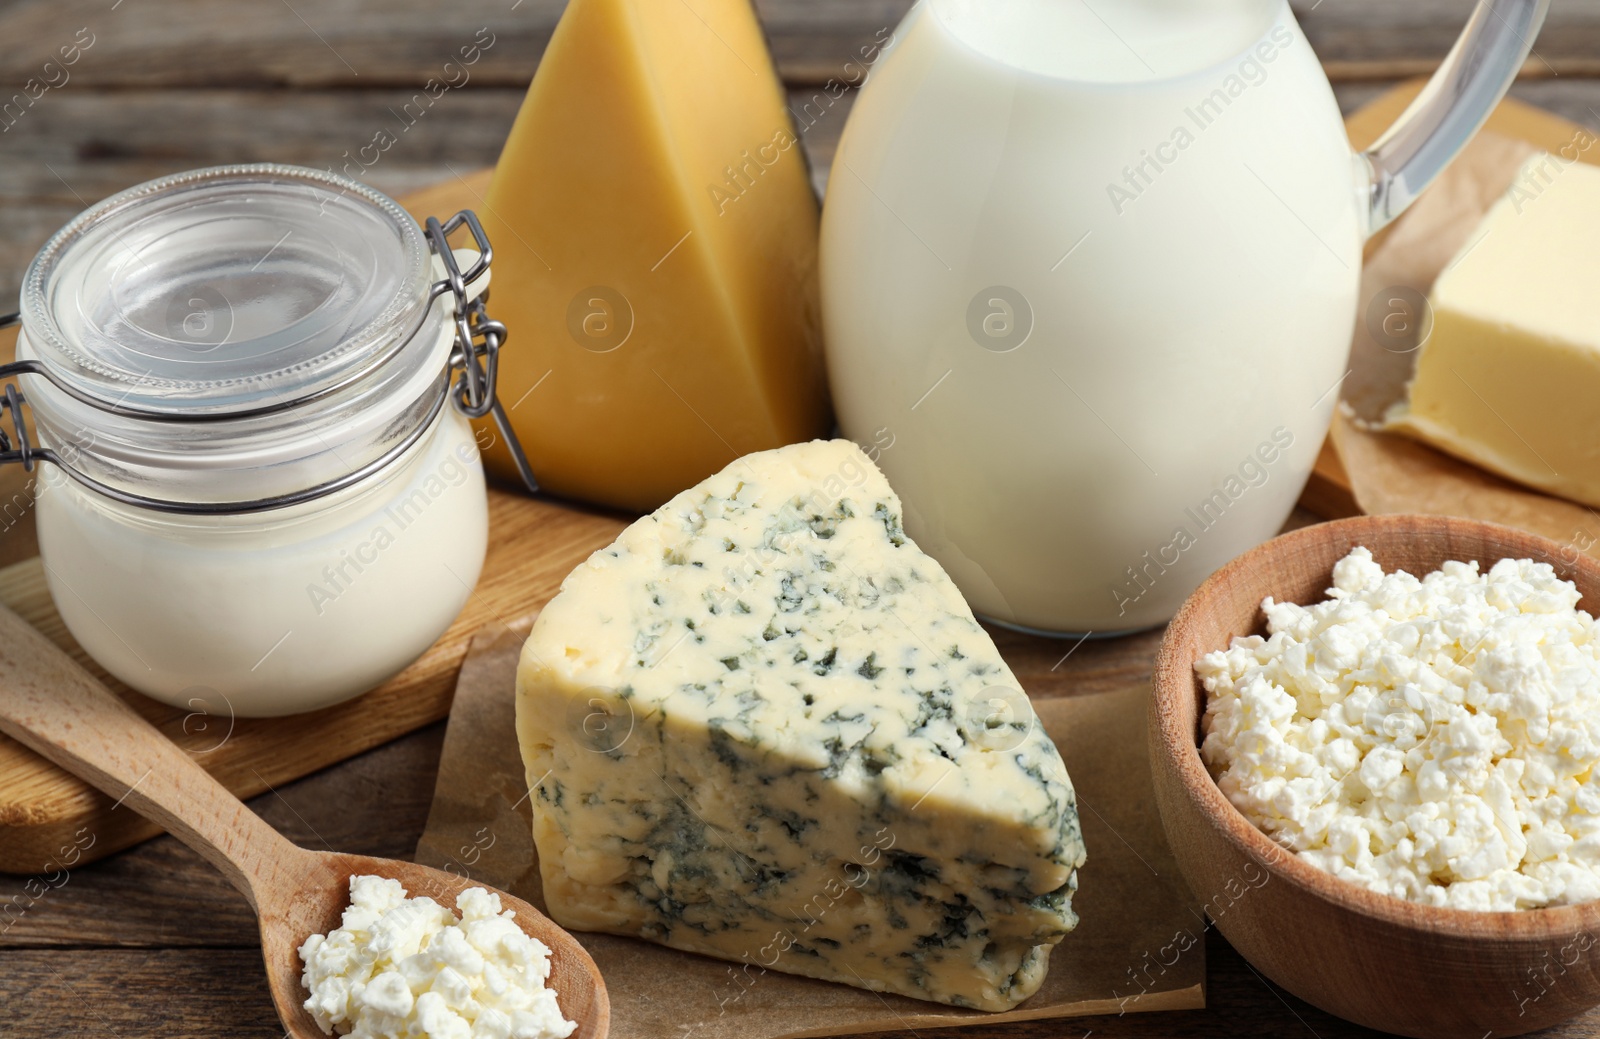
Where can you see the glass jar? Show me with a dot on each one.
(262, 487)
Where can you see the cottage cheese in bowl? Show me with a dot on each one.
(1433, 739)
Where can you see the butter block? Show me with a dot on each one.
(655, 237)
(764, 726)
(1509, 379)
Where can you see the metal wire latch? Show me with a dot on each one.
(14, 446)
(478, 336)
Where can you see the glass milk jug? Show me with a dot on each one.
(1089, 278)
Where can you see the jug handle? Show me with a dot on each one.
(1463, 91)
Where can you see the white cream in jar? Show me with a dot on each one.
(278, 613)
(264, 500)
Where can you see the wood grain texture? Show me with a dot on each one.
(207, 993)
(189, 993)
(55, 707)
(349, 44)
(162, 894)
(1389, 964)
(153, 943)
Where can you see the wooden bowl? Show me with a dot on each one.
(1379, 961)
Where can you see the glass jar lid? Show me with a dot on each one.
(242, 339)
(227, 291)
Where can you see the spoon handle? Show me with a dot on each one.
(53, 706)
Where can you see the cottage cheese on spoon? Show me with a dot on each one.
(407, 967)
(1430, 739)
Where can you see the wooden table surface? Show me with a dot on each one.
(152, 942)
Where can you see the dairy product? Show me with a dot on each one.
(1080, 262)
(1509, 377)
(654, 212)
(1433, 739)
(260, 499)
(408, 968)
(343, 592)
(1132, 41)
(762, 725)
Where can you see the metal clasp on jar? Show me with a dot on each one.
(475, 356)
(478, 336)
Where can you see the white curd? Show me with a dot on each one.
(408, 968)
(1433, 739)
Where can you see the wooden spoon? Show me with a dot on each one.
(53, 706)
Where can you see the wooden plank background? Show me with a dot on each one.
(152, 942)
(169, 85)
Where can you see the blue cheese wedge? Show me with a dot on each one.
(764, 726)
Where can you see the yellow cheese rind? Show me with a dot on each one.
(1509, 378)
(655, 238)
(764, 726)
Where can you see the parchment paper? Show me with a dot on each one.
(1138, 947)
(1391, 473)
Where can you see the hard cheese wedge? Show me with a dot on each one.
(763, 725)
(655, 240)
(1510, 377)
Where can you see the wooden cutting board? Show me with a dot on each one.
(48, 818)
(1328, 491)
